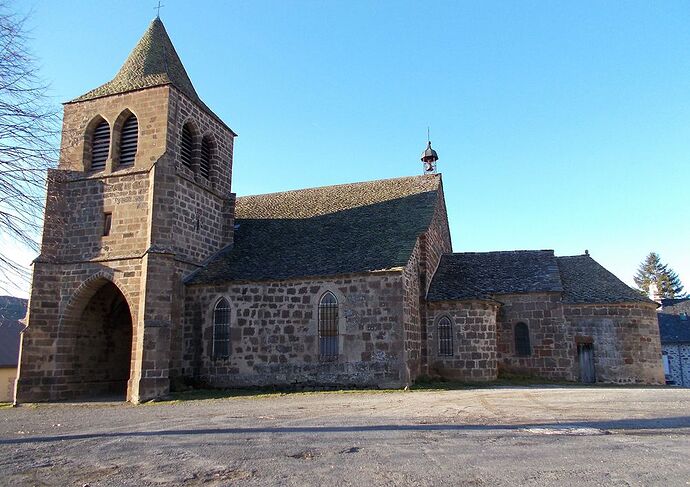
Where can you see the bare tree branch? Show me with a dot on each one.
(29, 127)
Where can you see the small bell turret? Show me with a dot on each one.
(429, 158)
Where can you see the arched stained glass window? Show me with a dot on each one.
(328, 326)
(221, 329)
(445, 337)
(522, 345)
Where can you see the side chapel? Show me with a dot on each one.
(152, 274)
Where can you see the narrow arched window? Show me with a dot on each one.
(100, 146)
(328, 326)
(187, 146)
(221, 329)
(205, 159)
(445, 337)
(129, 137)
(522, 345)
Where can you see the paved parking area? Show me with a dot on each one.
(499, 436)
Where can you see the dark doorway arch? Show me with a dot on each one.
(102, 343)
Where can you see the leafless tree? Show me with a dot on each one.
(29, 125)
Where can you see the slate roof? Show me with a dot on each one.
(152, 62)
(672, 328)
(480, 275)
(675, 305)
(586, 281)
(11, 311)
(485, 275)
(332, 230)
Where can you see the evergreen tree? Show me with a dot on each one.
(662, 280)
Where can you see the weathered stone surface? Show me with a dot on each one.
(166, 220)
(474, 340)
(274, 333)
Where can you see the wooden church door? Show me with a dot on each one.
(585, 354)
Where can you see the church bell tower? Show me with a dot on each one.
(140, 198)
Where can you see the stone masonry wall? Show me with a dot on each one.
(552, 348)
(150, 107)
(202, 210)
(59, 295)
(474, 340)
(73, 230)
(625, 337)
(437, 239)
(76, 259)
(412, 309)
(427, 254)
(149, 248)
(273, 333)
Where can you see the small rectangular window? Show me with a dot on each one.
(107, 223)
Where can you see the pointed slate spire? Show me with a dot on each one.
(152, 62)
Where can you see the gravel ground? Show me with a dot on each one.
(501, 436)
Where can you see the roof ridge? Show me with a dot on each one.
(573, 256)
(357, 183)
(502, 252)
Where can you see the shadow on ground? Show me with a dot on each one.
(621, 424)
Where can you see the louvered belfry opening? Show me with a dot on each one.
(205, 161)
(128, 141)
(100, 146)
(328, 326)
(445, 337)
(187, 146)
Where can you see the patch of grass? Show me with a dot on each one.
(5, 405)
(423, 384)
(257, 393)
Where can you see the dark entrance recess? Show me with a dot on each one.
(104, 344)
(585, 355)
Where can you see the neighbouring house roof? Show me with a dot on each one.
(332, 230)
(586, 281)
(675, 305)
(673, 327)
(480, 275)
(483, 275)
(152, 62)
(11, 311)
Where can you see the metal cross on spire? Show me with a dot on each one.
(158, 9)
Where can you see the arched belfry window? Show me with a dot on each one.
(522, 345)
(221, 329)
(445, 337)
(100, 146)
(129, 137)
(328, 326)
(205, 159)
(187, 146)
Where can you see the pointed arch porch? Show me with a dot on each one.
(97, 339)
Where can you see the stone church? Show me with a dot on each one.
(153, 275)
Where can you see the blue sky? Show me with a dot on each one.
(561, 125)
